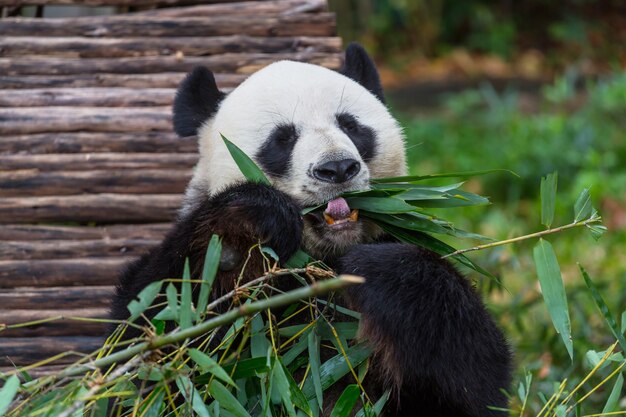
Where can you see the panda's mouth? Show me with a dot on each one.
(337, 215)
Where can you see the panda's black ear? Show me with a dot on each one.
(197, 99)
(360, 67)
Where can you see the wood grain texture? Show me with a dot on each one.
(90, 97)
(61, 272)
(231, 62)
(66, 322)
(161, 80)
(67, 249)
(20, 120)
(96, 142)
(318, 24)
(98, 161)
(27, 350)
(28, 232)
(83, 47)
(55, 297)
(30, 183)
(99, 208)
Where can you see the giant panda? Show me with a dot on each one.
(317, 133)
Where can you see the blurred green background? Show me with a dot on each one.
(535, 87)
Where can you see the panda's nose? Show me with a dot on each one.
(337, 171)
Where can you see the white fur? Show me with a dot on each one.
(308, 96)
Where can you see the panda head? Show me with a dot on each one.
(315, 132)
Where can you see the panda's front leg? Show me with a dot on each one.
(435, 345)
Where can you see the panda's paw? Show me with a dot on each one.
(262, 213)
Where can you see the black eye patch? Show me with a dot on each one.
(362, 136)
(275, 154)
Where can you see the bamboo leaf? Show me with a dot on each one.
(186, 305)
(467, 174)
(248, 168)
(8, 392)
(298, 260)
(258, 342)
(582, 207)
(346, 402)
(548, 198)
(192, 396)
(209, 365)
(146, 297)
(612, 403)
(604, 308)
(378, 406)
(380, 204)
(597, 230)
(553, 291)
(172, 300)
(209, 272)
(314, 360)
(226, 399)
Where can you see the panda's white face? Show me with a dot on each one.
(316, 134)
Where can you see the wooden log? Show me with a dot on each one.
(20, 120)
(99, 208)
(28, 350)
(61, 272)
(82, 142)
(58, 327)
(153, 231)
(239, 63)
(268, 7)
(92, 97)
(160, 80)
(55, 297)
(20, 3)
(81, 47)
(60, 249)
(30, 183)
(98, 161)
(303, 24)
(39, 372)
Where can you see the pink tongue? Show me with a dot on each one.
(338, 209)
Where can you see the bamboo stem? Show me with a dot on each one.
(318, 288)
(525, 237)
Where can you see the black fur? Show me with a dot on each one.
(197, 99)
(431, 334)
(275, 154)
(359, 66)
(362, 136)
(242, 215)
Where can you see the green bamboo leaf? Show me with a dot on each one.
(413, 178)
(582, 207)
(226, 399)
(209, 365)
(8, 392)
(186, 305)
(410, 221)
(553, 291)
(152, 405)
(378, 406)
(380, 204)
(146, 297)
(258, 342)
(299, 260)
(455, 198)
(604, 308)
(248, 168)
(288, 390)
(242, 369)
(612, 403)
(209, 272)
(192, 396)
(337, 367)
(548, 198)
(597, 230)
(172, 300)
(346, 402)
(314, 360)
